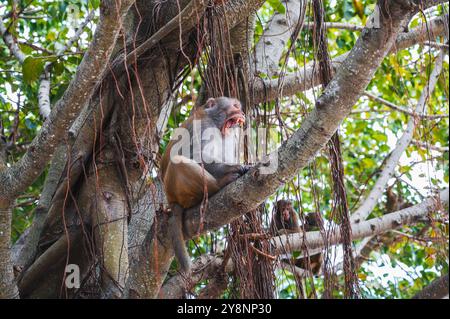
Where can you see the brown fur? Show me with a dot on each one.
(185, 181)
(285, 221)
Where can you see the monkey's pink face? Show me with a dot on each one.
(286, 213)
(225, 112)
(235, 117)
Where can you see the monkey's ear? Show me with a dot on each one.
(210, 103)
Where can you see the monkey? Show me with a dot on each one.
(185, 179)
(285, 221)
(395, 202)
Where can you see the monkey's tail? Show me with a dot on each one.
(176, 233)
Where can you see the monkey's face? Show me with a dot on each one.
(225, 112)
(285, 211)
(312, 220)
(284, 208)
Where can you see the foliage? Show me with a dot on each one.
(396, 271)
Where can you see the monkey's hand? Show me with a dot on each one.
(225, 174)
(244, 169)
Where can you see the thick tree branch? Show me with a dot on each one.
(337, 25)
(21, 174)
(8, 287)
(204, 267)
(27, 252)
(238, 10)
(185, 21)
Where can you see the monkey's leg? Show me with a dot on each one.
(176, 233)
(313, 263)
(185, 182)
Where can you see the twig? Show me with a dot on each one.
(44, 85)
(35, 47)
(337, 25)
(402, 109)
(431, 147)
(259, 252)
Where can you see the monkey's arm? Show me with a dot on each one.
(225, 173)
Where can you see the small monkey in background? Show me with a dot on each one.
(395, 202)
(185, 179)
(285, 221)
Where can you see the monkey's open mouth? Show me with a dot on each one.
(237, 119)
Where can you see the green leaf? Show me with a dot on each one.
(58, 68)
(33, 67)
(368, 162)
(380, 137)
(25, 48)
(277, 5)
(94, 3)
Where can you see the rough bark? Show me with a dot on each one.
(438, 289)
(204, 267)
(8, 287)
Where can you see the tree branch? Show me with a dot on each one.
(438, 289)
(204, 267)
(337, 25)
(402, 109)
(185, 21)
(371, 227)
(8, 287)
(279, 29)
(44, 85)
(11, 44)
(431, 147)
